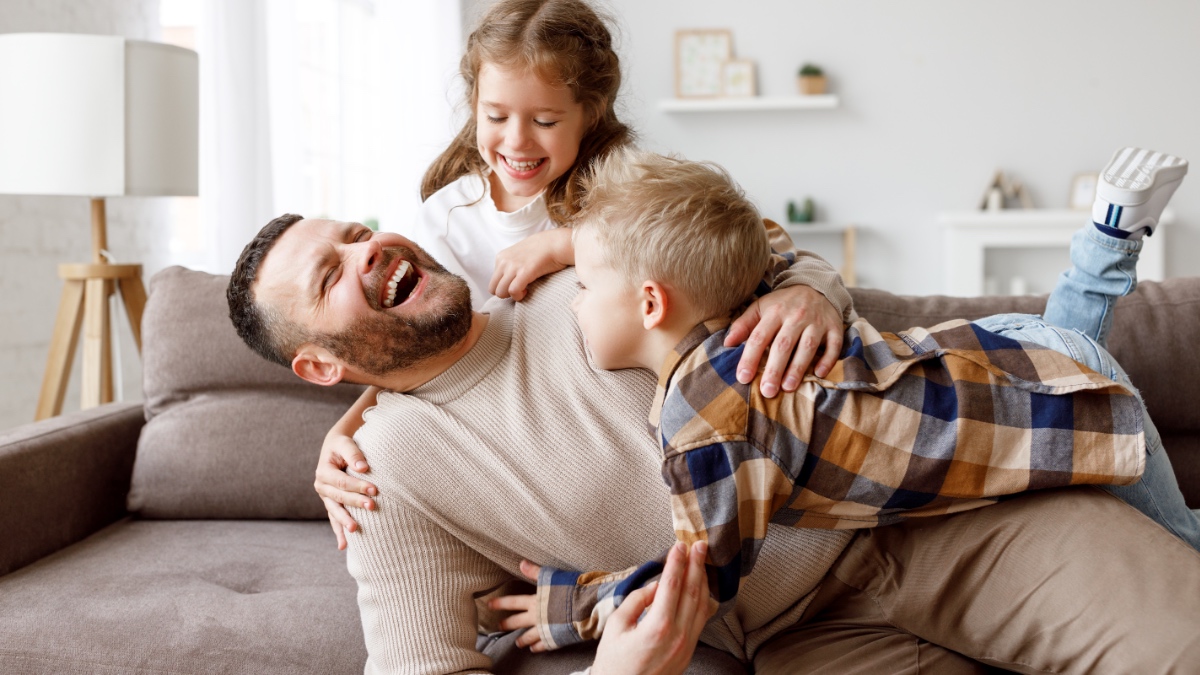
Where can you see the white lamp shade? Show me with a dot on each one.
(98, 116)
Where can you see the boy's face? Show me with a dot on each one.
(607, 307)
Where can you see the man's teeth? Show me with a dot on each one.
(524, 166)
(394, 282)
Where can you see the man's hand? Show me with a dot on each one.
(526, 608)
(793, 323)
(663, 642)
(337, 488)
(529, 260)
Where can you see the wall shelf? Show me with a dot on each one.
(749, 103)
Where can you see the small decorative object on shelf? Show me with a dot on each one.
(738, 78)
(804, 214)
(810, 80)
(1004, 193)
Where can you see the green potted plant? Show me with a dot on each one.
(811, 79)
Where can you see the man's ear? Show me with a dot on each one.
(656, 303)
(315, 364)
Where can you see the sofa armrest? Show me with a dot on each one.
(64, 478)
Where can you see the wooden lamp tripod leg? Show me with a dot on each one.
(62, 350)
(86, 290)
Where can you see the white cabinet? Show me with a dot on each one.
(970, 235)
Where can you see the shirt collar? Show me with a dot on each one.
(666, 373)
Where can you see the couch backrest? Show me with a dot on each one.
(228, 434)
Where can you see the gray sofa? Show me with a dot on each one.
(183, 535)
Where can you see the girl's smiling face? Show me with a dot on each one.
(528, 132)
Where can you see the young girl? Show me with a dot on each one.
(542, 78)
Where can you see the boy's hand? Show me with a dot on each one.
(337, 488)
(794, 323)
(529, 260)
(526, 608)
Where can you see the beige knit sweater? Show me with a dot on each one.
(523, 450)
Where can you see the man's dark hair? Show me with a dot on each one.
(260, 327)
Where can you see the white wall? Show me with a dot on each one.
(37, 233)
(936, 95)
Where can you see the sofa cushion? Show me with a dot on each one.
(228, 434)
(185, 596)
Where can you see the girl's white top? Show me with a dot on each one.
(460, 227)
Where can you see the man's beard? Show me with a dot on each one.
(385, 342)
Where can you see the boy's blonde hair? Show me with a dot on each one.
(684, 224)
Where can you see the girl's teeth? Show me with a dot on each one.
(523, 166)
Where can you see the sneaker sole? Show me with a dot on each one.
(1133, 173)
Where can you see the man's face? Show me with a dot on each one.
(375, 300)
(607, 307)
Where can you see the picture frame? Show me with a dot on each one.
(1083, 190)
(700, 56)
(738, 78)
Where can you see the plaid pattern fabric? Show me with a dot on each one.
(919, 423)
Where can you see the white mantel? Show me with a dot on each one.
(970, 234)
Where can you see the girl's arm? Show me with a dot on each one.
(529, 260)
(339, 452)
(801, 309)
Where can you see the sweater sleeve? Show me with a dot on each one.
(417, 586)
(724, 493)
(794, 267)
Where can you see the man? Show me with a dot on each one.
(493, 454)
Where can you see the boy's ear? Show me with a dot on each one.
(315, 364)
(656, 303)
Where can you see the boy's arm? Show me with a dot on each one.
(723, 494)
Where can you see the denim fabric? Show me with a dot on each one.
(1157, 494)
(1104, 268)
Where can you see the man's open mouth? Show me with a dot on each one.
(402, 284)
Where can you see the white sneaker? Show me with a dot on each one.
(1134, 189)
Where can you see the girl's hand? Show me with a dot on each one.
(529, 260)
(793, 323)
(526, 608)
(663, 642)
(337, 488)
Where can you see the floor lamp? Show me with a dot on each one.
(95, 116)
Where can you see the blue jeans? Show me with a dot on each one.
(1078, 318)
(1103, 269)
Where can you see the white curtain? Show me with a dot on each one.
(422, 102)
(320, 107)
(236, 197)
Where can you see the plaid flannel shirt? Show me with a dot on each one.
(919, 423)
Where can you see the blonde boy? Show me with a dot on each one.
(921, 423)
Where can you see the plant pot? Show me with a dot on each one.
(811, 84)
